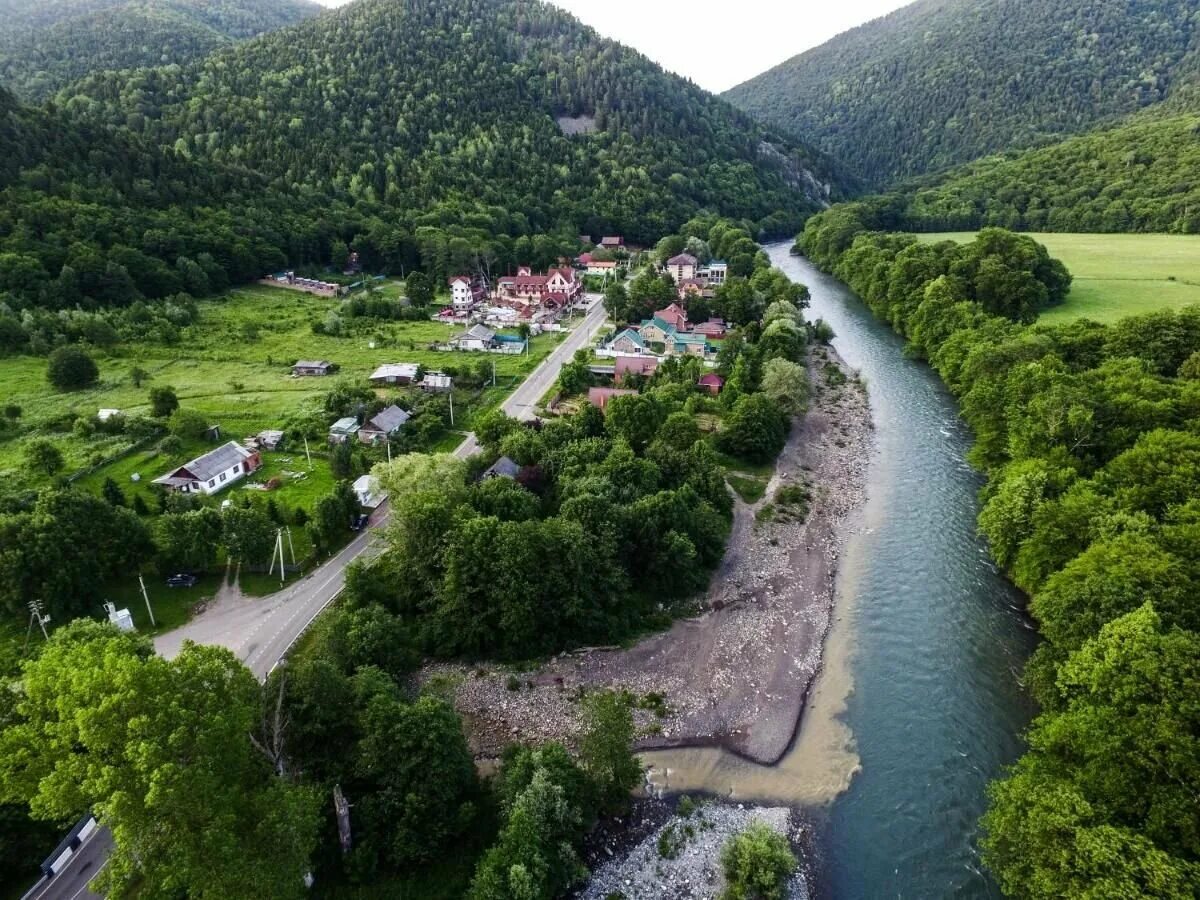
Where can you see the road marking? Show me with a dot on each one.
(89, 882)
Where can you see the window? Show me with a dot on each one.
(222, 476)
(211, 482)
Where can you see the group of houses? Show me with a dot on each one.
(533, 298)
(667, 333)
(692, 277)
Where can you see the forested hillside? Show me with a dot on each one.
(451, 108)
(419, 134)
(1136, 177)
(46, 44)
(943, 82)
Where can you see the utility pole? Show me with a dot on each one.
(35, 615)
(146, 597)
(279, 551)
(452, 405)
(306, 453)
(291, 546)
(389, 448)
(494, 367)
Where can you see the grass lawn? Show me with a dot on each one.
(1118, 275)
(234, 366)
(749, 488)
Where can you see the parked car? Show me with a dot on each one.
(359, 522)
(182, 579)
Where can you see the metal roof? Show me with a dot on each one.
(210, 465)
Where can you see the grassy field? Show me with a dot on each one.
(1118, 275)
(234, 366)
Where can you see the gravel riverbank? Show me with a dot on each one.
(736, 676)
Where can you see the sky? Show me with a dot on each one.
(719, 45)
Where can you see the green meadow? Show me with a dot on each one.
(1118, 275)
(234, 365)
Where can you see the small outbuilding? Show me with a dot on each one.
(396, 373)
(368, 492)
(306, 367)
(343, 430)
(712, 382)
(502, 468)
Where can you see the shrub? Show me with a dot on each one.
(70, 369)
(757, 864)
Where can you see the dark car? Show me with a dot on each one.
(183, 580)
(359, 522)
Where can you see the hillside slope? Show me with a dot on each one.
(46, 44)
(942, 82)
(416, 103)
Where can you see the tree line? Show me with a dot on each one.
(1086, 433)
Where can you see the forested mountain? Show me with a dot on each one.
(46, 44)
(1137, 177)
(943, 82)
(419, 133)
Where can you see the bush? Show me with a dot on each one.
(70, 369)
(754, 431)
(757, 864)
(187, 423)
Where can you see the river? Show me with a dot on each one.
(919, 703)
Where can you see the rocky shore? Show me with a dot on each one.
(736, 676)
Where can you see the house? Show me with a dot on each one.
(502, 468)
(343, 429)
(466, 293)
(214, 471)
(477, 337)
(714, 273)
(584, 259)
(656, 330)
(714, 329)
(312, 367)
(396, 373)
(600, 396)
(308, 285)
(712, 382)
(613, 242)
(682, 267)
(367, 490)
(383, 425)
(602, 267)
(674, 316)
(628, 342)
(682, 343)
(690, 287)
(634, 365)
(436, 383)
(105, 414)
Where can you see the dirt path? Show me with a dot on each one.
(738, 675)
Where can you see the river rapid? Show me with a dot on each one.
(918, 704)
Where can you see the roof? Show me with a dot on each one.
(632, 335)
(682, 337)
(437, 379)
(718, 264)
(612, 239)
(312, 364)
(388, 420)
(396, 370)
(692, 282)
(454, 279)
(673, 314)
(607, 263)
(661, 323)
(502, 468)
(211, 464)
(641, 365)
(683, 259)
(348, 425)
(477, 333)
(711, 378)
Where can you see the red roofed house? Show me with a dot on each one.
(599, 396)
(624, 366)
(531, 294)
(712, 382)
(713, 329)
(682, 267)
(673, 315)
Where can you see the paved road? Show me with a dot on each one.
(260, 631)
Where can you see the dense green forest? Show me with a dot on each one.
(369, 129)
(1135, 177)
(1088, 437)
(943, 82)
(47, 44)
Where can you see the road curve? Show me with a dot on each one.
(261, 630)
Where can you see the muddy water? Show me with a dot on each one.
(918, 705)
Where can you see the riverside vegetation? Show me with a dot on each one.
(1086, 433)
